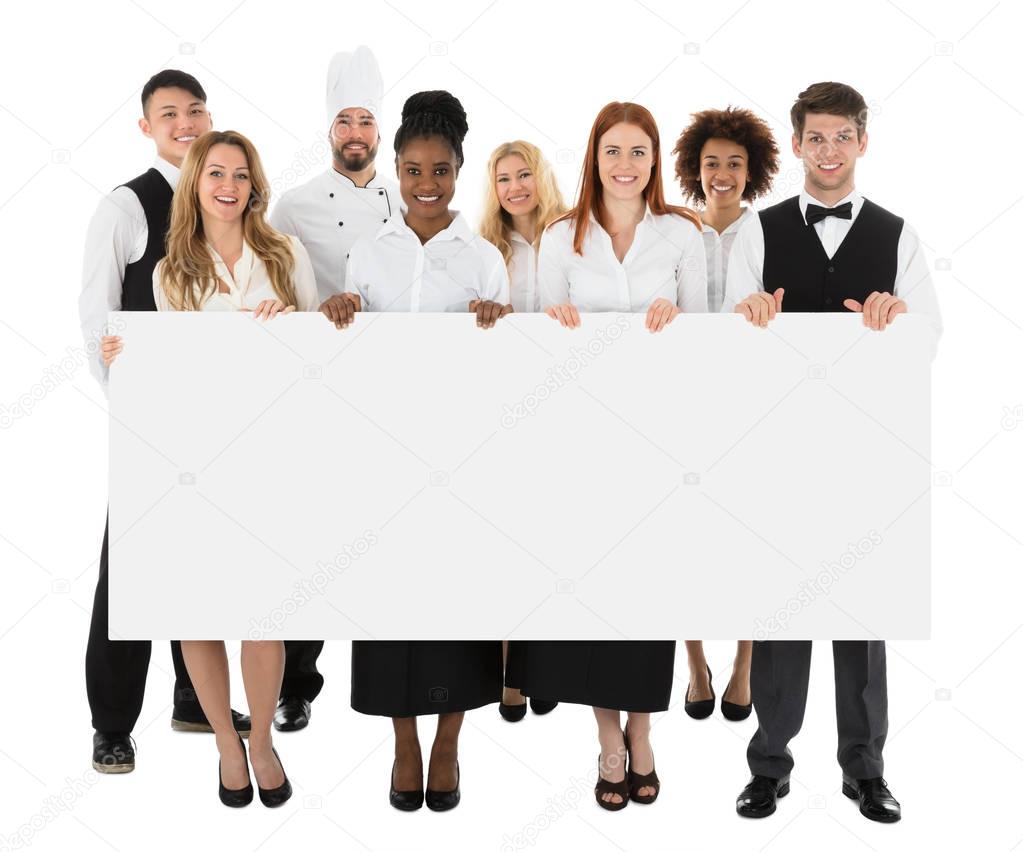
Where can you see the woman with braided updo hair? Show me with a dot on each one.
(427, 259)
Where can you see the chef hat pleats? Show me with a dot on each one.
(354, 80)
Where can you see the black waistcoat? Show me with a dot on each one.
(156, 195)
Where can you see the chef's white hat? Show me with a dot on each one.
(354, 80)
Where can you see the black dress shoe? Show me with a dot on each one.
(404, 800)
(701, 709)
(189, 718)
(735, 712)
(445, 800)
(113, 753)
(876, 801)
(276, 796)
(236, 798)
(512, 712)
(540, 707)
(292, 714)
(759, 797)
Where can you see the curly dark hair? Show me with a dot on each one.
(433, 113)
(736, 125)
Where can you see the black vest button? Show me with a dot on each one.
(827, 301)
(831, 269)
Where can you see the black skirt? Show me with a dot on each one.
(424, 678)
(633, 676)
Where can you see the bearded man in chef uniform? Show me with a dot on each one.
(328, 214)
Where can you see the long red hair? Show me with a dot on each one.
(591, 191)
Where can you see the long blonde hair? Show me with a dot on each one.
(496, 225)
(188, 273)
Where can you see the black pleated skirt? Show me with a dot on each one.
(424, 678)
(633, 676)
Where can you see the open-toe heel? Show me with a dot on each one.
(638, 782)
(619, 788)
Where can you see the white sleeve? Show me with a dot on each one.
(745, 264)
(552, 266)
(498, 285)
(913, 282)
(281, 218)
(113, 232)
(303, 278)
(691, 275)
(353, 280)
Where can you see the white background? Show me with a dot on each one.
(943, 152)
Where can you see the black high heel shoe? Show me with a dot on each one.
(276, 796)
(618, 788)
(701, 709)
(404, 800)
(638, 782)
(236, 798)
(540, 707)
(512, 712)
(445, 800)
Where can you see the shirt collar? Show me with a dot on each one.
(458, 229)
(805, 198)
(348, 183)
(738, 223)
(170, 172)
(648, 217)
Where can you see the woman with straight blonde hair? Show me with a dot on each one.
(222, 256)
(522, 199)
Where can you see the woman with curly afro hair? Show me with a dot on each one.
(724, 157)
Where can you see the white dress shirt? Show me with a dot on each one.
(250, 283)
(913, 283)
(525, 295)
(328, 214)
(718, 247)
(117, 236)
(392, 270)
(666, 260)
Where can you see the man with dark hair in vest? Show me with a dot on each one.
(124, 243)
(828, 249)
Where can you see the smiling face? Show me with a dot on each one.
(625, 158)
(354, 138)
(516, 186)
(829, 149)
(724, 170)
(426, 176)
(174, 119)
(224, 186)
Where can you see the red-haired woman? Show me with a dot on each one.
(724, 157)
(620, 249)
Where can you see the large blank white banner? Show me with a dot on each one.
(414, 476)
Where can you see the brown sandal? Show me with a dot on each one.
(619, 788)
(638, 782)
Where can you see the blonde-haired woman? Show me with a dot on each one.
(222, 256)
(522, 199)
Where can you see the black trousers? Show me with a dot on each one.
(779, 678)
(115, 671)
(301, 677)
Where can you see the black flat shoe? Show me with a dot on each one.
(619, 788)
(236, 798)
(445, 800)
(512, 712)
(735, 712)
(113, 753)
(876, 801)
(187, 718)
(292, 714)
(541, 707)
(638, 782)
(404, 800)
(760, 796)
(276, 796)
(701, 709)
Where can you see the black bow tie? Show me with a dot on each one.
(814, 212)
